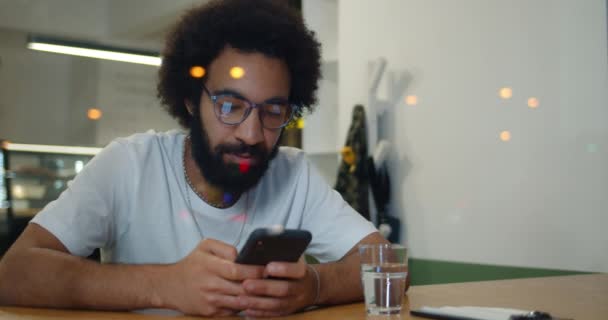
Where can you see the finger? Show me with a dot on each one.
(234, 271)
(223, 286)
(226, 302)
(270, 288)
(265, 303)
(219, 248)
(286, 270)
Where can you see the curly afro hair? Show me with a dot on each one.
(262, 26)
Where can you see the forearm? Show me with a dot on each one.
(48, 278)
(341, 281)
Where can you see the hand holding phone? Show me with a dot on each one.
(266, 245)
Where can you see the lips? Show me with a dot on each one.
(242, 158)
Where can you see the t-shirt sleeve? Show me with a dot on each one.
(83, 217)
(336, 227)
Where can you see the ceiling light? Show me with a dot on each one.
(38, 148)
(91, 50)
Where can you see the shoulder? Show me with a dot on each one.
(291, 154)
(289, 159)
(287, 167)
(149, 143)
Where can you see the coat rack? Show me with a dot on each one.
(380, 149)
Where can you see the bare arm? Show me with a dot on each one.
(340, 282)
(38, 271)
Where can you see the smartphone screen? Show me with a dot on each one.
(269, 244)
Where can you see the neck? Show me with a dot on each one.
(211, 194)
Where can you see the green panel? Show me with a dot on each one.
(311, 259)
(434, 272)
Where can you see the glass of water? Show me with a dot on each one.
(383, 273)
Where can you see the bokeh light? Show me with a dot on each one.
(228, 197)
(505, 93)
(184, 215)
(197, 72)
(237, 72)
(411, 100)
(348, 155)
(78, 165)
(244, 167)
(18, 192)
(94, 114)
(463, 204)
(241, 217)
(505, 136)
(533, 103)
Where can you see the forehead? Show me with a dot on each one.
(255, 75)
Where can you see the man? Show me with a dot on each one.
(170, 211)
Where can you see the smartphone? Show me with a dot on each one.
(265, 245)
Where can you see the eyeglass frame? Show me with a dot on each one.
(250, 106)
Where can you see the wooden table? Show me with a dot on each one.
(582, 297)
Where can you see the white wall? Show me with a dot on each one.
(321, 16)
(144, 19)
(44, 97)
(34, 92)
(319, 134)
(319, 137)
(127, 96)
(539, 200)
(58, 17)
(103, 20)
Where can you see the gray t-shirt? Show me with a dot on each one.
(133, 202)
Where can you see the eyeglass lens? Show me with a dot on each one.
(233, 110)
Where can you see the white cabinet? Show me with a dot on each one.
(319, 136)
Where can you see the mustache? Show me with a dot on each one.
(253, 150)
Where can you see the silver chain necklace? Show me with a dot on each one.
(199, 194)
(189, 185)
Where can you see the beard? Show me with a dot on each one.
(230, 177)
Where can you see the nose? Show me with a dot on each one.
(251, 131)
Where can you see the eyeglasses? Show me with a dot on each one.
(232, 109)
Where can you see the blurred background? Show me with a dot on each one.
(496, 114)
